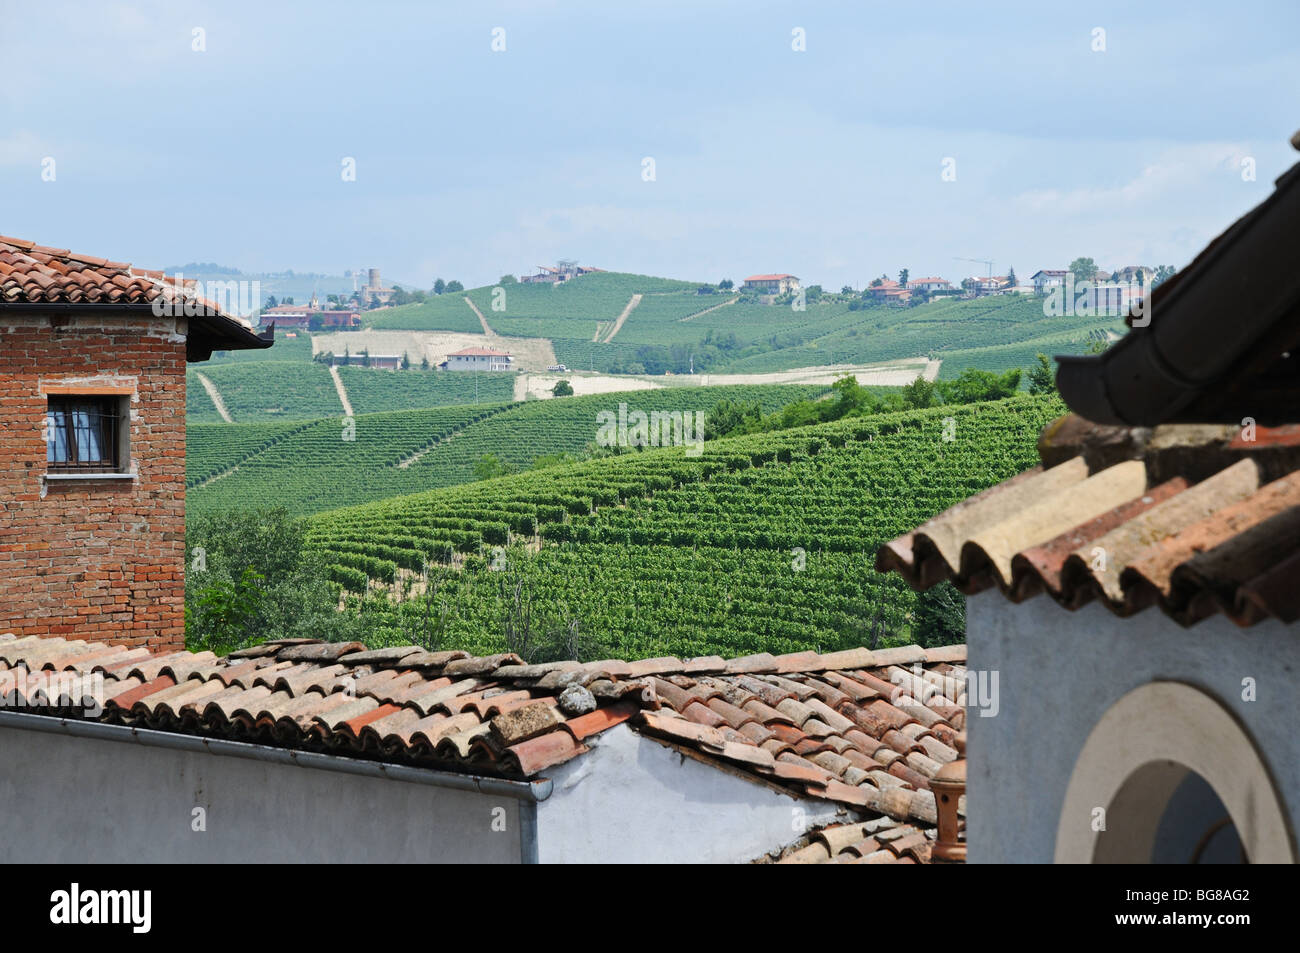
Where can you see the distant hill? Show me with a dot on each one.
(625, 323)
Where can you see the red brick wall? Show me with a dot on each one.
(93, 560)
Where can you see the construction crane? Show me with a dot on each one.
(981, 261)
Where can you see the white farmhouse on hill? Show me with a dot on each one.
(477, 359)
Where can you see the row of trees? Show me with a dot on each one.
(730, 418)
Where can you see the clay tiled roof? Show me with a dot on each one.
(38, 274)
(478, 352)
(865, 730)
(1194, 519)
(882, 841)
(767, 277)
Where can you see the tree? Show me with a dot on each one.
(1041, 378)
(726, 284)
(1083, 269)
(406, 362)
(1163, 272)
(902, 277)
(846, 290)
(490, 466)
(562, 389)
(374, 302)
(439, 286)
(454, 286)
(271, 302)
(919, 394)
(730, 417)
(507, 280)
(976, 385)
(940, 617)
(365, 358)
(877, 282)
(1011, 277)
(260, 580)
(424, 363)
(1098, 341)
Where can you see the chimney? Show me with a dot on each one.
(948, 786)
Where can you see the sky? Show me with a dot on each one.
(833, 141)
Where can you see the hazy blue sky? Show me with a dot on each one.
(471, 163)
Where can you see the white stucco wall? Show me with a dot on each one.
(634, 800)
(1059, 671)
(88, 800)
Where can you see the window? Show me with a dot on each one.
(84, 435)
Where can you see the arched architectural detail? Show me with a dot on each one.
(1139, 752)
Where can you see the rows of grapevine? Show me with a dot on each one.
(317, 469)
(335, 461)
(372, 391)
(266, 391)
(762, 542)
(290, 345)
(444, 312)
(211, 449)
(961, 333)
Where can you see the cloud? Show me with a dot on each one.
(1177, 169)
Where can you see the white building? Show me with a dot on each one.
(1044, 281)
(477, 359)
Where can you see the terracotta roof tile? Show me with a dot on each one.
(1203, 523)
(500, 716)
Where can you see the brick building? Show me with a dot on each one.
(92, 443)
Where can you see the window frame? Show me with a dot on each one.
(113, 423)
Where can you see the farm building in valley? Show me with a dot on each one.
(92, 501)
(1166, 516)
(477, 359)
(326, 752)
(771, 284)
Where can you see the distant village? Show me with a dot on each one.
(1084, 288)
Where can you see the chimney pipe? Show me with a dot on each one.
(948, 786)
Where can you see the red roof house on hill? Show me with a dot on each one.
(771, 284)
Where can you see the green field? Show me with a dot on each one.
(316, 468)
(444, 312)
(296, 348)
(372, 391)
(264, 391)
(763, 543)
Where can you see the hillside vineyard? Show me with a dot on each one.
(312, 466)
(763, 543)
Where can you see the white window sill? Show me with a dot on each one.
(119, 477)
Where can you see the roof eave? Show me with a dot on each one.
(1204, 327)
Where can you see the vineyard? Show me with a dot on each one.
(286, 348)
(991, 333)
(263, 391)
(762, 543)
(326, 463)
(372, 391)
(314, 468)
(444, 312)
